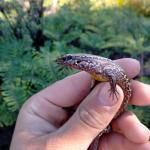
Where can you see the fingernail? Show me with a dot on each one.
(106, 98)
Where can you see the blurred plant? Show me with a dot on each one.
(29, 45)
(142, 6)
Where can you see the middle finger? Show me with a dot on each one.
(129, 125)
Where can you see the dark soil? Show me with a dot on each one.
(5, 137)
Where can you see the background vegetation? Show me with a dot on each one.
(33, 34)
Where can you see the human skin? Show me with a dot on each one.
(44, 122)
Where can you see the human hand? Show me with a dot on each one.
(45, 124)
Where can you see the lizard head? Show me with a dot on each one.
(78, 61)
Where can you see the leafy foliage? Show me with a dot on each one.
(29, 45)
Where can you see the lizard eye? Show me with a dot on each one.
(66, 58)
(78, 61)
(69, 57)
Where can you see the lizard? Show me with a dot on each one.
(104, 70)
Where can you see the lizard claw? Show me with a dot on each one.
(113, 89)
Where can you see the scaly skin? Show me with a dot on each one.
(101, 69)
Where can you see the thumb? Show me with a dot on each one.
(91, 117)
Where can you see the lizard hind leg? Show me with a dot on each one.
(111, 73)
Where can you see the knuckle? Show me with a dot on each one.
(92, 118)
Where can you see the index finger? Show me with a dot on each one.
(69, 91)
